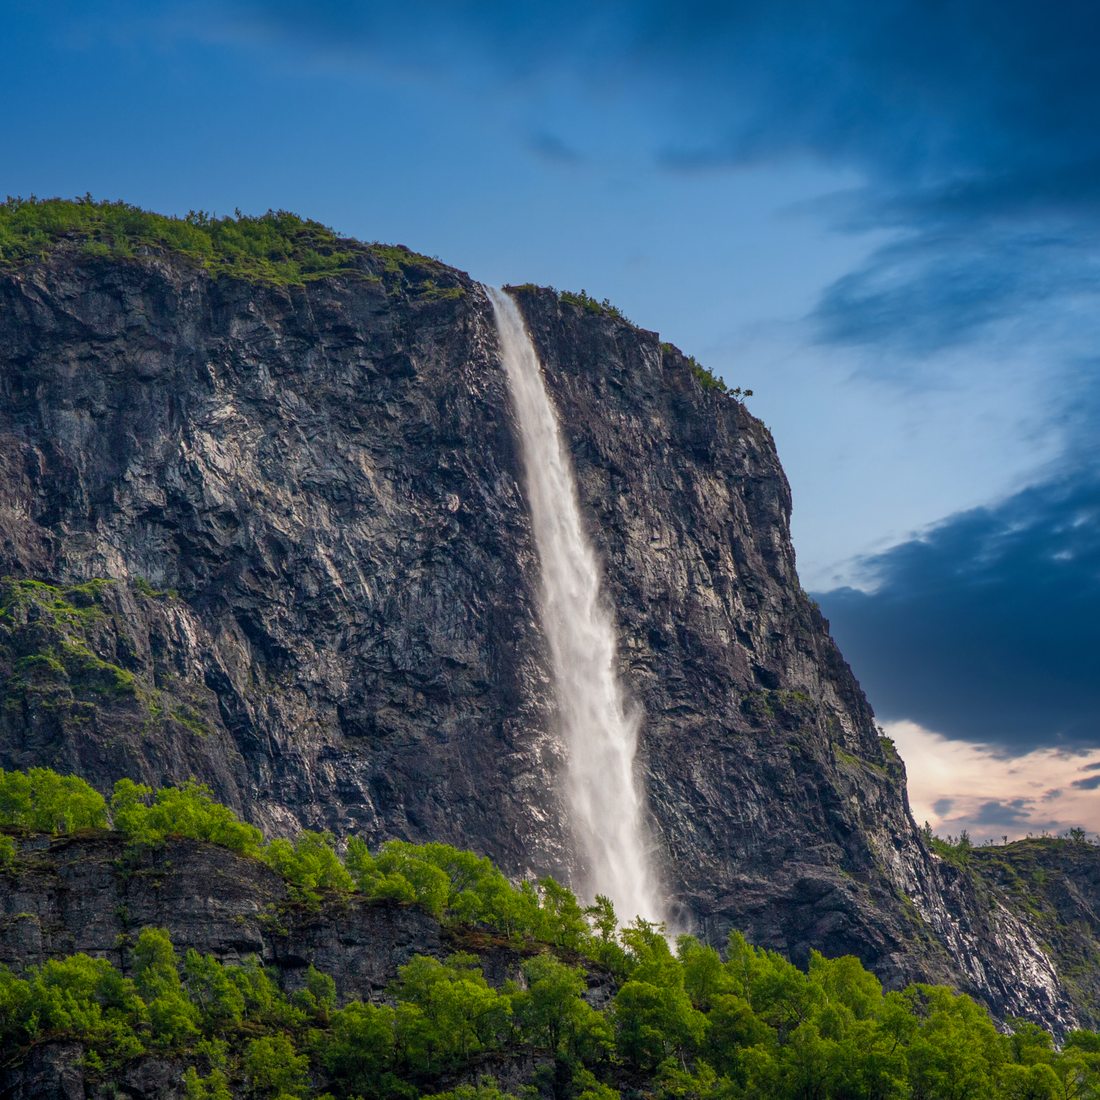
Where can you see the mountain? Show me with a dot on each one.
(263, 525)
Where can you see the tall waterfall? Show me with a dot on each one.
(599, 728)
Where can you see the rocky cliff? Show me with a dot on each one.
(94, 895)
(274, 537)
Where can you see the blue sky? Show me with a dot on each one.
(882, 217)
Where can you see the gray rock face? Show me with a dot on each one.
(308, 502)
(94, 895)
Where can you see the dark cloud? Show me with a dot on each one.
(943, 806)
(979, 98)
(551, 148)
(1089, 784)
(972, 124)
(987, 628)
(1009, 814)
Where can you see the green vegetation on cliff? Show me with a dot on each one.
(277, 248)
(591, 1012)
(582, 300)
(579, 299)
(49, 636)
(706, 378)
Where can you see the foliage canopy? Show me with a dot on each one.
(593, 1011)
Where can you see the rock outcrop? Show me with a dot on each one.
(283, 549)
(95, 894)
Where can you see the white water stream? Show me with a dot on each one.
(598, 727)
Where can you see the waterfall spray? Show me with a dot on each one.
(599, 729)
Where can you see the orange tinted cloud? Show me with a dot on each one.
(956, 785)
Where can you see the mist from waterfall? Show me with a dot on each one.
(598, 726)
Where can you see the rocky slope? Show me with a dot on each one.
(94, 894)
(319, 581)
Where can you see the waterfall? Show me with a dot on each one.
(598, 726)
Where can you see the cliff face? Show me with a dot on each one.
(306, 503)
(94, 895)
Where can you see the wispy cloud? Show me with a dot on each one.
(956, 786)
(972, 124)
(941, 286)
(549, 147)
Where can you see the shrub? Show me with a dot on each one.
(274, 1068)
(42, 801)
(149, 817)
(584, 301)
(309, 864)
(276, 247)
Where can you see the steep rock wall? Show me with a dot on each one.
(308, 504)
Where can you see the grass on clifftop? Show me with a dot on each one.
(276, 247)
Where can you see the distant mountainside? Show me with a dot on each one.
(262, 523)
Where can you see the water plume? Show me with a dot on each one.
(598, 726)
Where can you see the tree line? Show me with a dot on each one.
(671, 1021)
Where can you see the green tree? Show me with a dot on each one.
(263, 1001)
(604, 945)
(955, 1052)
(650, 957)
(43, 801)
(319, 995)
(563, 921)
(188, 811)
(781, 995)
(391, 885)
(1029, 1082)
(310, 864)
(552, 1014)
(675, 1082)
(429, 883)
(89, 1000)
(172, 1017)
(220, 1002)
(809, 1064)
(360, 1048)
(274, 1068)
(705, 976)
(447, 1012)
(18, 1021)
(732, 1027)
(484, 1090)
(655, 1022)
(1077, 1066)
(212, 1087)
(586, 1086)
